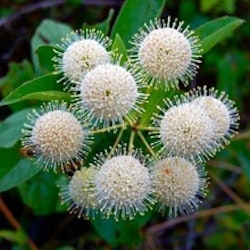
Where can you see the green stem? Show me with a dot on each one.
(146, 128)
(131, 142)
(102, 130)
(149, 148)
(117, 141)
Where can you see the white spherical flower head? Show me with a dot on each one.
(123, 187)
(108, 92)
(82, 56)
(217, 111)
(187, 131)
(178, 184)
(56, 137)
(220, 109)
(79, 193)
(80, 52)
(165, 52)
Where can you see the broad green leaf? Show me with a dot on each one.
(103, 26)
(217, 30)
(17, 74)
(41, 193)
(49, 32)
(208, 5)
(41, 88)
(119, 47)
(45, 54)
(124, 232)
(10, 128)
(8, 158)
(155, 99)
(132, 16)
(18, 236)
(21, 172)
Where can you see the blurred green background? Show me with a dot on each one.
(223, 222)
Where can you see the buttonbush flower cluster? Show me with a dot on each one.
(156, 153)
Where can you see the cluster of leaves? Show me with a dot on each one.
(29, 83)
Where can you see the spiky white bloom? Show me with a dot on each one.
(220, 109)
(78, 193)
(123, 187)
(185, 130)
(79, 52)
(178, 184)
(57, 135)
(165, 52)
(108, 93)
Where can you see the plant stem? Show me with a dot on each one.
(209, 212)
(149, 148)
(146, 128)
(12, 220)
(242, 136)
(117, 141)
(131, 142)
(102, 130)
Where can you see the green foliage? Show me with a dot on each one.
(23, 92)
(133, 14)
(43, 88)
(215, 31)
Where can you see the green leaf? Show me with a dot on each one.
(9, 158)
(103, 26)
(132, 16)
(21, 172)
(10, 128)
(43, 88)
(208, 5)
(121, 232)
(14, 236)
(45, 54)
(48, 32)
(17, 74)
(155, 99)
(41, 193)
(119, 47)
(217, 30)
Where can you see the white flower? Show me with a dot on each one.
(57, 136)
(185, 130)
(165, 52)
(178, 185)
(123, 187)
(220, 109)
(78, 193)
(79, 52)
(108, 93)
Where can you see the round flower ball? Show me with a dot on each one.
(165, 52)
(78, 193)
(57, 136)
(178, 185)
(80, 52)
(187, 131)
(108, 93)
(220, 109)
(123, 187)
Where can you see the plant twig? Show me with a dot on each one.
(102, 130)
(117, 141)
(143, 139)
(205, 213)
(225, 165)
(131, 142)
(242, 136)
(14, 223)
(230, 192)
